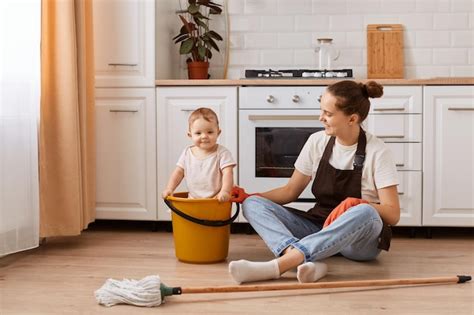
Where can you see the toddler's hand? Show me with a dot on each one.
(223, 196)
(166, 193)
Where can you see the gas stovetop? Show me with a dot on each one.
(298, 74)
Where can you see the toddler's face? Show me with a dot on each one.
(204, 134)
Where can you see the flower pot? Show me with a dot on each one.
(198, 69)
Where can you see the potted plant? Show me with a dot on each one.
(196, 38)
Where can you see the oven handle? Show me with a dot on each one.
(283, 117)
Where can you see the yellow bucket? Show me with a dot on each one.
(201, 228)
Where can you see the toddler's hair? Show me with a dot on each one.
(205, 113)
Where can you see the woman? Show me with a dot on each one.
(355, 188)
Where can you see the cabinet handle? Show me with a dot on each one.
(285, 117)
(392, 136)
(400, 164)
(295, 98)
(461, 108)
(388, 108)
(270, 99)
(401, 193)
(123, 110)
(187, 110)
(124, 64)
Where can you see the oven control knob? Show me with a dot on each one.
(295, 99)
(270, 99)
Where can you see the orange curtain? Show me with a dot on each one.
(67, 122)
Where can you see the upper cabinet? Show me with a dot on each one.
(124, 43)
(448, 155)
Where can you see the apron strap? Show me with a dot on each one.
(359, 157)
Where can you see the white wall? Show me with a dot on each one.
(438, 34)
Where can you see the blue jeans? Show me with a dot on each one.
(354, 234)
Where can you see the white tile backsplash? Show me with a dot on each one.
(450, 56)
(294, 40)
(438, 34)
(454, 21)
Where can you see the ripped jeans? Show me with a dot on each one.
(354, 234)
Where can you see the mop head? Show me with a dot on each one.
(144, 292)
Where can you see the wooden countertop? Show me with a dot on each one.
(279, 82)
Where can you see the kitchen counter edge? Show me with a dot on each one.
(289, 82)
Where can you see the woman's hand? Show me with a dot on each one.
(239, 195)
(348, 203)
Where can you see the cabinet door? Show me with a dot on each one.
(409, 192)
(395, 128)
(174, 104)
(448, 156)
(124, 43)
(126, 154)
(398, 100)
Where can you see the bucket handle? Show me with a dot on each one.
(216, 223)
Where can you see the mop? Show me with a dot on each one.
(149, 291)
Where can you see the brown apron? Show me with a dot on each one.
(331, 186)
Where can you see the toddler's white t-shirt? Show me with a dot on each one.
(379, 169)
(204, 176)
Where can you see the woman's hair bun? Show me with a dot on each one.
(373, 89)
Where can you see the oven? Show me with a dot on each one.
(274, 124)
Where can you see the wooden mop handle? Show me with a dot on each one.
(325, 285)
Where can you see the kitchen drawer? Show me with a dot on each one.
(396, 127)
(287, 97)
(409, 191)
(407, 155)
(398, 99)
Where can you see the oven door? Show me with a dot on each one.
(269, 143)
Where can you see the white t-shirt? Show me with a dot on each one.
(379, 169)
(204, 176)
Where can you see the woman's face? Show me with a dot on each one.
(335, 121)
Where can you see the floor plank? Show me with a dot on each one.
(61, 276)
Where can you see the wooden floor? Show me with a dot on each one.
(61, 276)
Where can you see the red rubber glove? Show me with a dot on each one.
(238, 194)
(349, 202)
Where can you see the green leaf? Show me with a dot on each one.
(208, 53)
(215, 11)
(181, 38)
(186, 46)
(215, 35)
(200, 16)
(201, 24)
(183, 30)
(193, 9)
(215, 4)
(202, 52)
(212, 43)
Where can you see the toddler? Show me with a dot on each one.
(206, 166)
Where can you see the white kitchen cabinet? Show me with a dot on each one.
(396, 118)
(124, 43)
(409, 193)
(448, 156)
(174, 104)
(126, 154)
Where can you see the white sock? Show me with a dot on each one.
(311, 272)
(247, 271)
